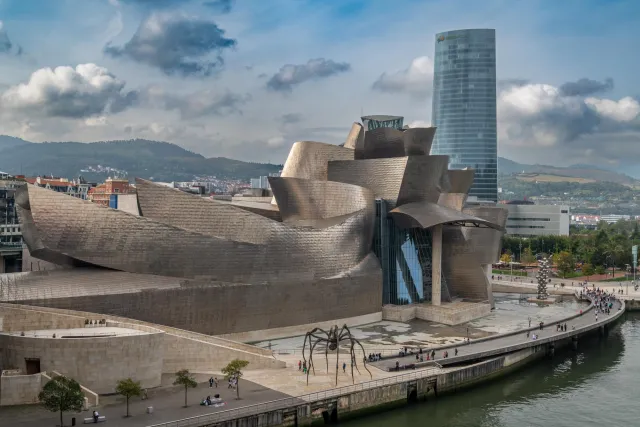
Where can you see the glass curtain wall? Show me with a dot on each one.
(405, 256)
(464, 106)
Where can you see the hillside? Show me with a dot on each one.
(160, 161)
(586, 172)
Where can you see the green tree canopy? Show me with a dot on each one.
(185, 379)
(588, 270)
(128, 388)
(564, 263)
(527, 256)
(234, 370)
(62, 394)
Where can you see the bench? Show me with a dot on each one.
(101, 419)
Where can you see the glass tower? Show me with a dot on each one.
(464, 106)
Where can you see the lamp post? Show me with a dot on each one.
(511, 264)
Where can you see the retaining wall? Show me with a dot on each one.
(20, 389)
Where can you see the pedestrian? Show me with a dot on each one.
(215, 381)
(344, 367)
(433, 354)
(565, 327)
(211, 382)
(456, 352)
(299, 365)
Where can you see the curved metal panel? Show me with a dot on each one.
(427, 215)
(382, 176)
(309, 160)
(303, 199)
(459, 183)
(486, 243)
(460, 180)
(422, 180)
(355, 137)
(114, 239)
(381, 143)
(417, 141)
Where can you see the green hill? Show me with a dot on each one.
(160, 161)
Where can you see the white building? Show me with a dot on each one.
(613, 218)
(526, 219)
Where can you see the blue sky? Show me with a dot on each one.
(246, 79)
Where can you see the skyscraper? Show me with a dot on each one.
(464, 106)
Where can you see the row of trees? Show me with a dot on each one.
(62, 394)
(608, 246)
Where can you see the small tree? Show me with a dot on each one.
(185, 379)
(588, 270)
(527, 256)
(62, 394)
(128, 388)
(564, 263)
(234, 369)
(505, 257)
(600, 269)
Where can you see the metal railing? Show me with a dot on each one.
(289, 402)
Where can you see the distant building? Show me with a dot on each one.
(526, 219)
(613, 218)
(263, 181)
(464, 106)
(76, 188)
(107, 194)
(10, 228)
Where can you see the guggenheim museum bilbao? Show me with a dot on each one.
(373, 228)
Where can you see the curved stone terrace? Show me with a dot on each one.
(576, 324)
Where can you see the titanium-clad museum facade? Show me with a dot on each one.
(464, 105)
(375, 221)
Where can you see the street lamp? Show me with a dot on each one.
(511, 264)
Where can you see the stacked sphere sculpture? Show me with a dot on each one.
(544, 271)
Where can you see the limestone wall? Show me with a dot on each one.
(97, 363)
(15, 319)
(182, 349)
(229, 309)
(20, 389)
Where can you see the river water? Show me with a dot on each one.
(597, 385)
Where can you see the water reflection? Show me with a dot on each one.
(597, 384)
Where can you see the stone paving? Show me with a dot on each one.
(167, 406)
(499, 342)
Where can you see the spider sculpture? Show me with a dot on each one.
(332, 340)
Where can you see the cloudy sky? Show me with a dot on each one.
(247, 78)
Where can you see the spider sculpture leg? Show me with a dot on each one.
(337, 362)
(354, 340)
(310, 367)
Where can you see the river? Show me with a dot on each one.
(597, 385)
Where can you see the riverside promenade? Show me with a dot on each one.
(477, 361)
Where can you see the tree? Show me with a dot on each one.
(600, 269)
(527, 256)
(588, 270)
(128, 388)
(62, 394)
(564, 263)
(185, 379)
(234, 369)
(506, 258)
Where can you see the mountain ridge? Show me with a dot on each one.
(165, 161)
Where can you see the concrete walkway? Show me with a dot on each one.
(167, 406)
(484, 348)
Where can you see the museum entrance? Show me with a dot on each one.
(33, 366)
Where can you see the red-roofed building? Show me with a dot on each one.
(77, 188)
(112, 186)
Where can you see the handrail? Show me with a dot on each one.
(288, 402)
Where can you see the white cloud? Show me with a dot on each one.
(84, 91)
(624, 110)
(419, 124)
(416, 80)
(276, 141)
